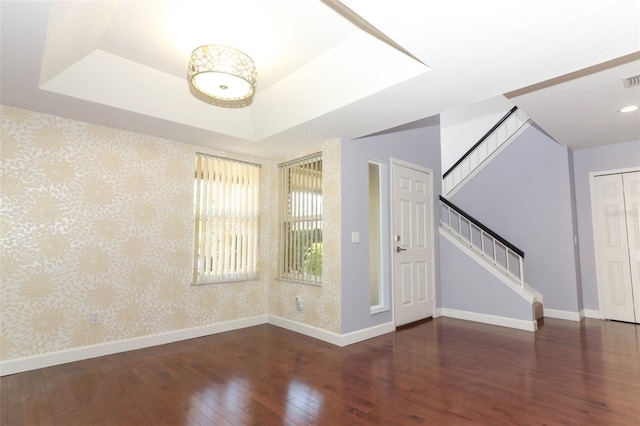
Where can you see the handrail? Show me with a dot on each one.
(476, 222)
(486, 135)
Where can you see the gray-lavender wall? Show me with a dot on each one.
(417, 143)
(605, 158)
(525, 195)
(468, 286)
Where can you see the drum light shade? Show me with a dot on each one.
(222, 76)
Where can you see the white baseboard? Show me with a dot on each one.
(591, 313)
(331, 337)
(490, 319)
(564, 315)
(367, 333)
(77, 354)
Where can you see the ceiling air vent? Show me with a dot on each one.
(631, 81)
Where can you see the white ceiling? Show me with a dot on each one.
(321, 75)
(581, 110)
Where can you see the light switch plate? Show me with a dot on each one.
(355, 237)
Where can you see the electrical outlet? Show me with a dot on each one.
(95, 318)
(299, 305)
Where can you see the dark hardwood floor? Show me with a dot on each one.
(437, 372)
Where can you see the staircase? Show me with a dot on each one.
(498, 255)
(491, 247)
(502, 258)
(482, 152)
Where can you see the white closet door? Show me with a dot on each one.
(631, 183)
(612, 256)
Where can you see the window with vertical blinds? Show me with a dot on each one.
(226, 206)
(300, 256)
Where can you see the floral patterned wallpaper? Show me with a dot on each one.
(95, 219)
(322, 304)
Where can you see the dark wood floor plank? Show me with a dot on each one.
(26, 386)
(4, 400)
(41, 399)
(13, 408)
(441, 371)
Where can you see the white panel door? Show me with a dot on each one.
(613, 254)
(631, 182)
(413, 244)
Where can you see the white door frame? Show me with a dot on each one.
(397, 162)
(594, 229)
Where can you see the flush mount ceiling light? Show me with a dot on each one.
(222, 76)
(629, 108)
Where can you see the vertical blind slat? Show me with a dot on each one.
(306, 234)
(198, 214)
(207, 217)
(296, 234)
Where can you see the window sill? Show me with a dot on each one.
(379, 310)
(225, 281)
(291, 280)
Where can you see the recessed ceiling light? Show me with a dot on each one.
(629, 108)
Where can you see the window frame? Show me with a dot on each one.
(301, 220)
(226, 208)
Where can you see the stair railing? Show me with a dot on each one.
(489, 245)
(488, 144)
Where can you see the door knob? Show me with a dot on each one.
(399, 249)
